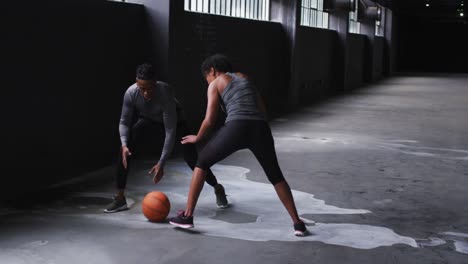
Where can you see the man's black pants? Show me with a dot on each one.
(143, 134)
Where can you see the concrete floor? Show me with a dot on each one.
(383, 173)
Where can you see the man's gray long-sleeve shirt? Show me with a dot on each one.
(161, 108)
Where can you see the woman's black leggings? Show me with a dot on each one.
(235, 135)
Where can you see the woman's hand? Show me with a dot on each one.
(190, 139)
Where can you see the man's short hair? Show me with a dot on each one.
(218, 62)
(145, 72)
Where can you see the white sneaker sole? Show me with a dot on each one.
(181, 225)
(300, 233)
(223, 206)
(121, 208)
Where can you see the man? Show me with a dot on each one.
(245, 128)
(154, 105)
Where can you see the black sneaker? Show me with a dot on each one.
(181, 220)
(300, 229)
(119, 204)
(221, 200)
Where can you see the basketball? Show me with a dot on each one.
(156, 206)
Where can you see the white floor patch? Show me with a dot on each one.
(257, 199)
(34, 244)
(444, 153)
(461, 246)
(460, 241)
(455, 234)
(431, 242)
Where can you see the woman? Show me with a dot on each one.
(245, 128)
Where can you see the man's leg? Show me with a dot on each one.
(122, 173)
(191, 157)
(119, 203)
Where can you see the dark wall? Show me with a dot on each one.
(157, 21)
(390, 43)
(356, 45)
(70, 61)
(378, 58)
(314, 63)
(368, 30)
(68, 64)
(256, 48)
(287, 13)
(432, 46)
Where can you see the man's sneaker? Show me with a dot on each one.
(300, 229)
(119, 204)
(221, 200)
(181, 220)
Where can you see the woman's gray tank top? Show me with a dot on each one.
(239, 99)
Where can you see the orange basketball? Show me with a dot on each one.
(156, 206)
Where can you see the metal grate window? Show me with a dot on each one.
(354, 25)
(380, 24)
(251, 9)
(312, 14)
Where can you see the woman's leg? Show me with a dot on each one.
(196, 186)
(191, 154)
(262, 146)
(191, 157)
(230, 138)
(284, 193)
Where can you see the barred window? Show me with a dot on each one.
(354, 25)
(312, 14)
(251, 9)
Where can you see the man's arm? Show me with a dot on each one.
(125, 122)
(126, 119)
(170, 124)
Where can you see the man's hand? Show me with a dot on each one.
(190, 139)
(125, 153)
(158, 172)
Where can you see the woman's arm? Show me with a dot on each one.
(211, 111)
(210, 116)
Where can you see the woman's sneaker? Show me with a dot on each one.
(118, 204)
(221, 200)
(181, 220)
(300, 229)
